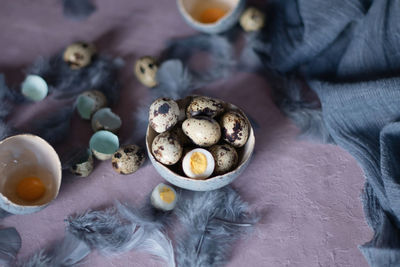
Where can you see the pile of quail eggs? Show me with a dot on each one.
(200, 138)
(92, 105)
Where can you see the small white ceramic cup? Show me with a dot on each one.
(191, 11)
(214, 182)
(24, 156)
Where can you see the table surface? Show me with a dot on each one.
(310, 192)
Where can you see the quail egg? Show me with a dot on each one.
(79, 55)
(226, 158)
(252, 19)
(163, 197)
(128, 159)
(89, 102)
(204, 106)
(198, 164)
(146, 70)
(235, 128)
(203, 131)
(163, 114)
(166, 148)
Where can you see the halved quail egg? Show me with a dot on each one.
(79, 55)
(163, 197)
(198, 164)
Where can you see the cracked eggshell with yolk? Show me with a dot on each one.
(27, 162)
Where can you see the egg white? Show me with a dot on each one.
(210, 164)
(158, 203)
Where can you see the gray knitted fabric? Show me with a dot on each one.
(349, 52)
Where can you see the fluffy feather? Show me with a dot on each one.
(212, 222)
(219, 48)
(10, 244)
(101, 75)
(78, 9)
(4, 130)
(117, 230)
(55, 127)
(174, 81)
(304, 113)
(68, 252)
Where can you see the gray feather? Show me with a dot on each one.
(78, 9)
(212, 222)
(4, 130)
(10, 244)
(55, 127)
(174, 81)
(101, 75)
(306, 114)
(69, 252)
(120, 229)
(219, 48)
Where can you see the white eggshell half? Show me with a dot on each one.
(24, 156)
(34, 88)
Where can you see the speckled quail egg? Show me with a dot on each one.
(203, 131)
(89, 102)
(204, 106)
(166, 148)
(252, 19)
(235, 128)
(226, 158)
(79, 55)
(163, 114)
(198, 164)
(146, 70)
(163, 197)
(128, 159)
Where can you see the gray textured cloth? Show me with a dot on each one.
(349, 52)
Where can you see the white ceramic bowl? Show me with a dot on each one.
(213, 182)
(24, 156)
(191, 10)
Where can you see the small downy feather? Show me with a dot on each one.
(219, 48)
(55, 127)
(66, 83)
(120, 229)
(10, 244)
(78, 9)
(212, 222)
(174, 81)
(305, 114)
(69, 252)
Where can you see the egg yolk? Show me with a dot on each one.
(198, 163)
(167, 195)
(30, 189)
(211, 15)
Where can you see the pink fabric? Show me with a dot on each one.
(310, 192)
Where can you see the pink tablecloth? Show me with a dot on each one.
(310, 192)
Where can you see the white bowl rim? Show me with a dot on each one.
(206, 25)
